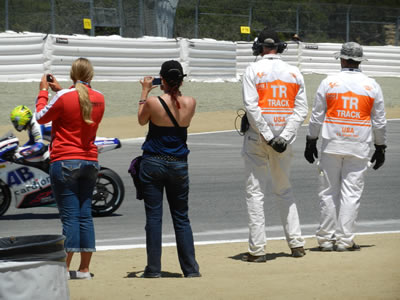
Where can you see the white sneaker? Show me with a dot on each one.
(326, 248)
(79, 275)
(342, 248)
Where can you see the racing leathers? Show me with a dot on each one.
(35, 148)
(275, 100)
(349, 111)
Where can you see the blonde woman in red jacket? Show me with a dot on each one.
(75, 114)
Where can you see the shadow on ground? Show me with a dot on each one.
(270, 256)
(164, 274)
(316, 249)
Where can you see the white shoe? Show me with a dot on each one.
(342, 248)
(79, 275)
(326, 248)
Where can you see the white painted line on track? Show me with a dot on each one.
(141, 139)
(215, 144)
(211, 132)
(140, 246)
(391, 222)
(238, 231)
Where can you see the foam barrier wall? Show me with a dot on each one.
(26, 56)
(21, 56)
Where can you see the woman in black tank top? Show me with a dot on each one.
(164, 166)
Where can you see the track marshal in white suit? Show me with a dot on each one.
(275, 100)
(349, 114)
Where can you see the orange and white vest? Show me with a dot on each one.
(274, 97)
(348, 105)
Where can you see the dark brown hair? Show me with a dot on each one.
(172, 72)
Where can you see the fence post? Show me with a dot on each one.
(196, 20)
(141, 18)
(91, 13)
(250, 19)
(297, 19)
(6, 15)
(53, 23)
(121, 18)
(348, 24)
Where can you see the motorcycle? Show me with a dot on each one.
(28, 181)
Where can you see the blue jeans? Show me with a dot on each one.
(73, 182)
(157, 174)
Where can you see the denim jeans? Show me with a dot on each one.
(157, 174)
(73, 182)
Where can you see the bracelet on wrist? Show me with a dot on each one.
(143, 101)
(44, 89)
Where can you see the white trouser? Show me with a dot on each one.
(258, 158)
(342, 183)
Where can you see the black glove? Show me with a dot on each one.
(311, 152)
(379, 156)
(278, 143)
(244, 124)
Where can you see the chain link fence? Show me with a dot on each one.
(313, 22)
(123, 17)
(220, 20)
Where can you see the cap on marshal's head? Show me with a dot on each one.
(268, 37)
(351, 50)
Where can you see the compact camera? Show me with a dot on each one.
(157, 81)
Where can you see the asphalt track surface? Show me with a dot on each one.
(217, 208)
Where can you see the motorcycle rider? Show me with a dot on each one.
(23, 119)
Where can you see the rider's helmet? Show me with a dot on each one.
(21, 116)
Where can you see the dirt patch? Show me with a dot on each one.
(372, 273)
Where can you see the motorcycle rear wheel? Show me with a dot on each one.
(5, 198)
(108, 194)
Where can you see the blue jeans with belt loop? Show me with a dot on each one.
(157, 174)
(73, 182)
